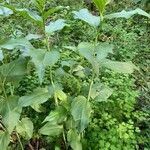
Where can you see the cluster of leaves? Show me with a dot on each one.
(113, 125)
(71, 85)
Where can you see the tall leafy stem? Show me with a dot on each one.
(72, 111)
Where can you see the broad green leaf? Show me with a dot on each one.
(51, 129)
(13, 71)
(19, 42)
(127, 14)
(33, 37)
(56, 116)
(100, 92)
(4, 140)
(30, 14)
(74, 140)
(4, 11)
(25, 128)
(81, 110)
(102, 51)
(87, 51)
(42, 59)
(55, 26)
(26, 13)
(120, 67)
(98, 53)
(39, 96)
(1, 55)
(95, 54)
(10, 112)
(50, 58)
(86, 16)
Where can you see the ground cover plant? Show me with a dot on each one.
(67, 80)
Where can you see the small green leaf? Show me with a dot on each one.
(120, 67)
(39, 96)
(74, 140)
(38, 108)
(128, 14)
(61, 95)
(1, 55)
(81, 110)
(56, 116)
(55, 26)
(4, 11)
(10, 112)
(4, 140)
(101, 5)
(51, 11)
(86, 16)
(51, 129)
(25, 128)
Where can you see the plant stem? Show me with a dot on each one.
(3, 88)
(90, 89)
(47, 42)
(53, 85)
(65, 141)
(21, 145)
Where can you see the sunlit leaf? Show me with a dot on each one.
(25, 128)
(86, 16)
(81, 110)
(38, 108)
(128, 14)
(51, 129)
(10, 112)
(4, 11)
(74, 140)
(55, 26)
(100, 4)
(61, 95)
(56, 116)
(120, 67)
(39, 96)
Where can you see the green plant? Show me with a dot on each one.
(72, 108)
(113, 125)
